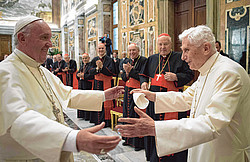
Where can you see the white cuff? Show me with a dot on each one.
(70, 142)
(104, 99)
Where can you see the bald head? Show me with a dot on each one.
(101, 49)
(85, 58)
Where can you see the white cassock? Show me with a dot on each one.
(220, 128)
(28, 127)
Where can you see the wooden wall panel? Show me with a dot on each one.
(200, 16)
(5, 45)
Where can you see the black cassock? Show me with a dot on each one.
(106, 73)
(85, 84)
(117, 63)
(72, 68)
(123, 60)
(108, 46)
(48, 64)
(128, 102)
(184, 75)
(61, 65)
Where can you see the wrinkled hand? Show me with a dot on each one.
(66, 69)
(113, 93)
(137, 127)
(170, 76)
(82, 75)
(127, 67)
(144, 86)
(151, 96)
(87, 141)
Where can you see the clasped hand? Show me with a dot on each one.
(99, 64)
(127, 67)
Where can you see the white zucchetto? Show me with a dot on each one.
(24, 22)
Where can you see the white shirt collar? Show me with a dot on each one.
(26, 59)
(205, 68)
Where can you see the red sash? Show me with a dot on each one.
(163, 83)
(170, 87)
(75, 81)
(108, 105)
(63, 77)
(133, 83)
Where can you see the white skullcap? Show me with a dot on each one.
(24, 22)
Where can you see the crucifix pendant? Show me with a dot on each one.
(158, 77)
(56, 112)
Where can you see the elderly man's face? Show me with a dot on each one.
(54, 58)
(66, 58)
(164, 45)
(59, 58)
(124, 55)
(37, 42)
(193, 55)
(85, 58)
(133, 51)
(101, 49)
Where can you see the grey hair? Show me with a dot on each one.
(25, 30)
(199, 35)
(170, 39)
(134, 44)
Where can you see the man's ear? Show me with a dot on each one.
(21, 38)
(207, 48)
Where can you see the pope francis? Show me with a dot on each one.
(32, 102)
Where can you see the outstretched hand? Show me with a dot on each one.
(87, 141)
(113, 93)
(151, 96)
(137, 127)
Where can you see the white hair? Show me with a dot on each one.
(134, 44)
(199, 35)
(170, 39)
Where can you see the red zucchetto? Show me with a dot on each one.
(164, 34)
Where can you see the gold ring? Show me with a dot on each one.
(102, 151)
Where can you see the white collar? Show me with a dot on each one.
(26, 59)
(205, 68)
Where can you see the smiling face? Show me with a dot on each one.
(193, 55)
(133, 51)
(164, 45)
(124, 54)
(101, 49)
(58, 57)
(36, 42)
(85, 58)
(66, 58)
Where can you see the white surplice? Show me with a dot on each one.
(220, 129)
(28, 127)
